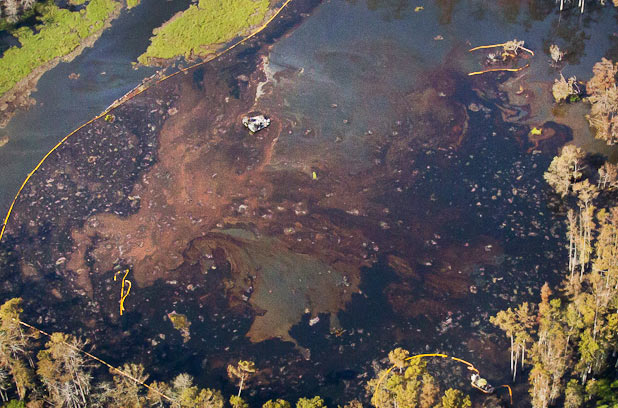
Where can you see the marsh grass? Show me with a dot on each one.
(197, 29)
(132, 3)
(57, 32)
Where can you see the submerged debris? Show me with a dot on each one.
(255, 123)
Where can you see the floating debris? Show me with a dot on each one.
(555, 53)
(256, 123)
(181, 323)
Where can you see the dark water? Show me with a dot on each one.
(63, 104)
(481, 205)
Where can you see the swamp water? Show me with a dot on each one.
(105, 74)
(427, 214)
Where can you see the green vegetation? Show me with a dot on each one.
(61, 375)
(315, 402)
(278, 403)
(411, 385)
(203, 25)
(241, 372)
(57, 33)
(570, 339)
(182, 324)
(15, 404)
(132, 3)
(179, 321)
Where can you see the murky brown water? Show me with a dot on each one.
(427, 212)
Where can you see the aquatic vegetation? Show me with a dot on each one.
(603, 99)
(564, 89)
(195, 31)
(181, 323)
(58, 32)
(509, 48)
(510, 51)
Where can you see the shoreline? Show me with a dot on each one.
(18, 97)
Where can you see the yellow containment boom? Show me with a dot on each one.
(486, 390)
(123, 294)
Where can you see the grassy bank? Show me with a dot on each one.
(57, 33)
(194, 31)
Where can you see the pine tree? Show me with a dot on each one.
(573, 396)
(517, 325)
(238, 402)
(397, 357)
(455, 399)
(315, 402)
(124, 392)
(278, 403)
(242, 371)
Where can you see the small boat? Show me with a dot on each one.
(481, 384)
(256, 123)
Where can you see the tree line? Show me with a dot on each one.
(53, 371)
(601, 92)
(569, 340)
(39, 370)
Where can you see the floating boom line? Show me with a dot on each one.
(128, 96)
(480, 47)
(100, 360)
(498, 70)
(468, 365)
